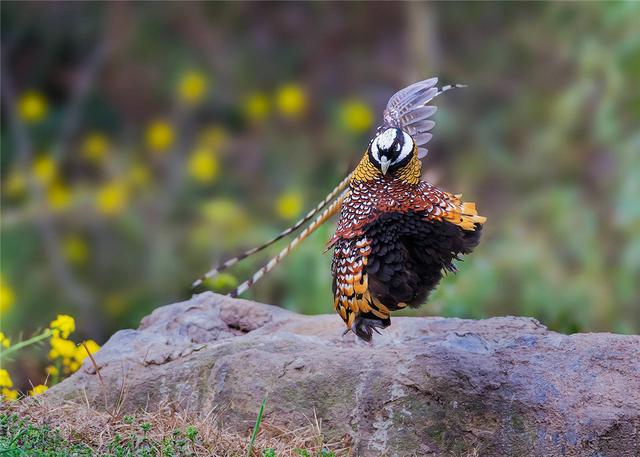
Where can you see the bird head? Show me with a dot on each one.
(391, 150)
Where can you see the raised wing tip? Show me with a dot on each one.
(430, 82)
(420, 85)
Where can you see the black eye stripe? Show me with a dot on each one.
(394, 152)
(399, 139)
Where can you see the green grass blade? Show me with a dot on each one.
(256, 427)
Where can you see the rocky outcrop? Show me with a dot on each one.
(426, 386)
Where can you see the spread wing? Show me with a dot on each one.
(408, 110)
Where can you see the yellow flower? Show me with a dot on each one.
(81, 352)
(75, 249)
(52, 371)
(356, 116)
(62, 326)
(61, 348)
(59, 196)
(256, 107)
(115, 304)
(192, 87)
(8, 394)
(37, 390)
(224, 212)
(160, 136)
(289, 205)
(32, 107)
(6, 297)
(4, 341)
(291, 100)
(213, 137)
(222, 281)
(203, 165)
(15, 184)
(5, 378)
(138, 175)
(95, 147)
(44, 169)
(112, 198)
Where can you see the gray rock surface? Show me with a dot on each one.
(427, 386)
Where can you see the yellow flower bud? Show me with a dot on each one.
(95, 147)
(192, 87)
(61, 348)
(62, 326)
(212, 137)
(44, 169)
(138, 175)
(32, 107)
(8, 394)
(203, 165)
(59, 196)
(15, 184)
(291, 100)
(6, 297)
(112, 198)
(5, 378)
(289, 205)
(356, 116)
(4, 341)
(75, 249)
(37, 390)
(160, 136)
(256, 107)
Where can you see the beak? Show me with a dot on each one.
(384, 164)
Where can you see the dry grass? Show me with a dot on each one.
(203, 435)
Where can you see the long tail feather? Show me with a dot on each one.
(321, 219)
(228, 263)
(443, 89)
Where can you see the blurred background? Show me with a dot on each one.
(142, 143)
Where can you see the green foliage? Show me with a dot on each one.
(301, 452)
(256, 427)
(320, 453)
(19, 438)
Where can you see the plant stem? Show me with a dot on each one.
(25, 343)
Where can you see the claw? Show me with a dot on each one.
(364, 327)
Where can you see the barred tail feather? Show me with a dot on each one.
(230, 262)
(321, 219)
(443, 89)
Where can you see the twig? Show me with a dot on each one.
(93, 361)
(79, 95)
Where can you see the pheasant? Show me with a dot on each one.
(396, 235)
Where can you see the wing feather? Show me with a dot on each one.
(407, 110)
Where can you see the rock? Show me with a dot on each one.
(426, 386)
